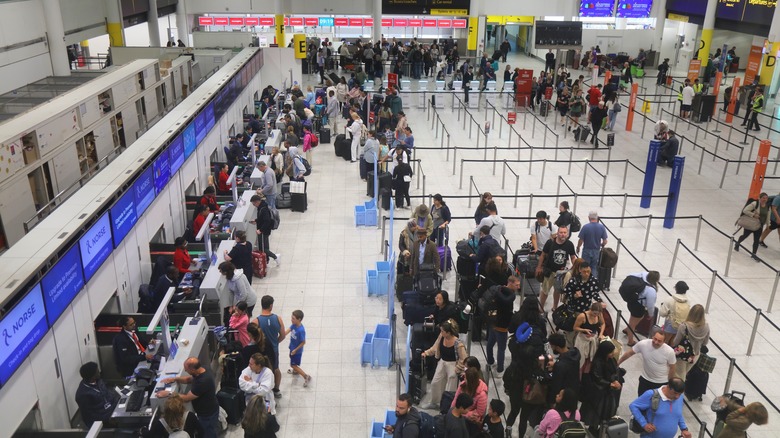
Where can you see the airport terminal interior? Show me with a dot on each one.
(147, 136)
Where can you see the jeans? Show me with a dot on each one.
(591, 257)
(756, 237)
(596, 127)
(645, 384)
(271, 200)
(210, 424)
(265, 246)
(493, 337)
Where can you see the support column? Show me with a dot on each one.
(55, 33)
(116, 32)
(153, 22)
(769, 61)
(279, 23)
(377, 30)
(705, 43)
(660, 22)
(182, 25)
(84, 48)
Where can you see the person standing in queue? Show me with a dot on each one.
(129, 349)
(272, 326)
(241, 254)
(264, 223)
(202, 394)
(96, 402)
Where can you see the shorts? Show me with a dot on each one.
(684, 107)
(637, 309)
(275, 360)
(552, 281)
(576, 114)
(295, 359)
(773, 225)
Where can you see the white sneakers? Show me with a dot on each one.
(278, 260)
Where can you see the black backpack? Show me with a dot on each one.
(576, 225)
(427, 425)
(570, 427)
(631, 288)
(488, 304)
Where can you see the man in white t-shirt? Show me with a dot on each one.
(658, 361)
(687, 99)
(542, 231)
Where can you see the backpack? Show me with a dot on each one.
(549, 226)
(275, 217)
(570, 427)
(427, 425)
(576, 225)
(679, 313)
(439, 427)
(315, 141)
(306, 165)
(488, 304)
(654, 402)
(174, 433)
(631, 288)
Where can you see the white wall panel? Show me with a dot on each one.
(14, 212)
(122, 278)
(66, 168)
(134, 275)
(84, 327)
(66, 336)
(82, 14)
(48, 384)
(102, 286)
(18, 398)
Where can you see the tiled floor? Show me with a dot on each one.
(325, 256)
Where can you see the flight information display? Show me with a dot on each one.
(687, 7)
(123, 217)
(176, 154)
(144, 191)
(162, 172)
(751, 11)
(189, 140)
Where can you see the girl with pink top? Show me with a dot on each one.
(565, 404)
(239, 320)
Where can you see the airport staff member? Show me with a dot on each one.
(268, 185)
(96, 402)
(129, 349)
(202, 394)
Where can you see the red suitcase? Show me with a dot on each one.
(259, 262)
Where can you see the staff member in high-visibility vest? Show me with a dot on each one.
(757, 107)
(697, 87)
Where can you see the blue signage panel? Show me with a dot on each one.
(162, 172)
(61, 284)
(176, 154)
(96, 246)
(634, 8)
(189, 140)
(200, 127)
(674, 191)
(123, 217)
(21, 329)
(326, 21)
(209, 115)
(651, 167)
(143, 190)
(597, 8)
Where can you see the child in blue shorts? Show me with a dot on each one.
(297, 340)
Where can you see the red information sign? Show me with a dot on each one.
(296, 21)
(415, 22)
(286, 21)
(400, 22)
(236, 21)
(221, 21)
(340, 21)
(205, 21)
(355, 22)
(753, 64)
(308, 21)
(368, 22)
(759, 171)
(523, 84)
(445, 23)
(387, 22)
(631, 106)
(252, 21)
(511, 118)
(269, 21)
(429, 23)
(392, 80)
(459, 23)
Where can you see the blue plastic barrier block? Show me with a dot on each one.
(370, 205)
(380, 352)
(377, 430)
(365, 350)
(360, 215)
(370, 217)
(390, 418)
(371, 282)
(383, 277)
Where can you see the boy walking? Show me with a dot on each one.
(297, 341)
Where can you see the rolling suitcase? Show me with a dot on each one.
(467, 286)
(414, 312)
(325, 135)
(615, 427)
(647, 323)
(423, 337)
(466, 267)
(604, 277)
(445, 258)
(338, 141)
(583, 133)
(299, 202)
(259, 262)
(446, 401)
(696, 383)
(232, 400)
(283, 200)
(403, 283)
(384, 196)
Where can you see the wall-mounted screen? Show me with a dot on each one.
(189, 140)
(62, 283)
(162, 172)
(209, 116)
(686, 7)
(634, 8)
(144, 191)
(176, 154)
(751, 11)
(200, 127)
(123, 216)
(597, 8)
(425, 7)
(96, 246)
(22, 328)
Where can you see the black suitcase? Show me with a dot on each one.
(325, 135)
(283, 199)
(334, 78)
(604, 277)
(467, 286)
(423, 337)
(583, 132)
(403, 283)
(615, 427)
(384, 196)
(466, 267)
(299, 202)
(611, 139)
(446, 401)
(233, 402)
(385, 182)
(543, 108)
(416, 389)
(696, 383)
(415, 312)
(338, 144)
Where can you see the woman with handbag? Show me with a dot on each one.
(693, 334)
(602, 386)
(755, 216)
(451, 354)
(740, 418)
(589, 330)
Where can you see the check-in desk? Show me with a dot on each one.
(208, 286)
(275, 138)
(244, 213)
(257, 176)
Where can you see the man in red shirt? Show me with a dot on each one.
(594, 96)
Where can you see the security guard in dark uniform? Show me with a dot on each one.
(96, 401)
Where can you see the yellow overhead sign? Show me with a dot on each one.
(473, 40)
(299, 45)
(454, 12)
(677, 17)
(505, 19)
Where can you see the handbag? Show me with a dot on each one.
(749, 223)
(563, 318)
(534, 392)
(706, 363)
(684, 350)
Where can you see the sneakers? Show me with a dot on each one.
(755, 257)
(277, 393)
(306, 381)
(352, 161)
(278, 260)
(736, 247)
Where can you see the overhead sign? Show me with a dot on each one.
(355, 22)
(677, 17)
(221, 21)
(750, 11)
(123, 217)
(189, 140)
(236, 21)
(205, 21)
(251, 21)
(429, 23)
(266, 21)
(311, 21)
(471, 43)
(96, 246)
(21, 329)
(400, 22)
(504, 19)
(753, 63)
(296, 21)
(326, 21)
(445, 23)
(162, 171)
(341, 21)
(387, 22)
(299, 45)
(427, 7)
(597, 8)
(634, 8)
(62, 283)
(143, 190)
(459, 23)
